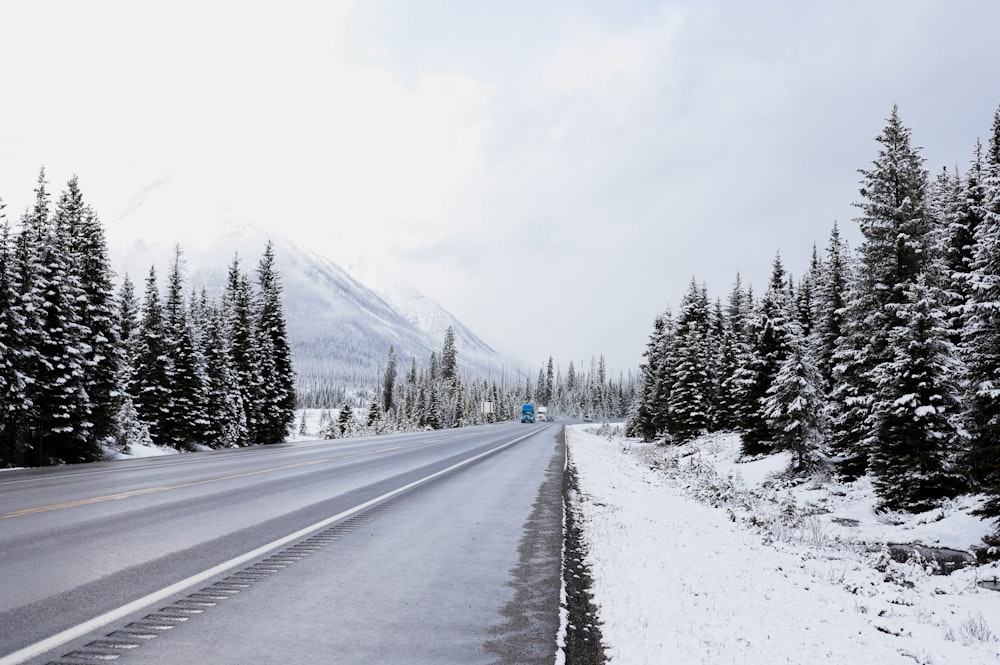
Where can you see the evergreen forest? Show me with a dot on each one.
(86, 367)
(881, 361)
(436, 395)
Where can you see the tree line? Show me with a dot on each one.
(436, 395)
(882, 362)
(84, 369)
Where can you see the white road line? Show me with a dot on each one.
(119, 613)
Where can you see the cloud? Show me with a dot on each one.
(592, 155)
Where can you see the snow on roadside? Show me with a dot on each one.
(699, 559)
(140, 450)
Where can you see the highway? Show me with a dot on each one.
(434, 547)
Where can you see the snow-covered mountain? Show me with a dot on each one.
(340, 328)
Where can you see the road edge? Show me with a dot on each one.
(580, 640)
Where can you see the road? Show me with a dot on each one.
(437, 547)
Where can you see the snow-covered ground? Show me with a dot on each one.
(697, 558)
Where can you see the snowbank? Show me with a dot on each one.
(139, 450)
(697, 558)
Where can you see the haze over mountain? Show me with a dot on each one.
(341, 322)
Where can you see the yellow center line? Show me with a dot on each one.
(153, 490)
(148, 490)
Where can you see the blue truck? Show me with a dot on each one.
(528, 413)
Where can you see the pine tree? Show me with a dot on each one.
(62, 415)
(433, 418)
(89, 264)
(129, 430)
(22, 431)
(434, 367)
(389, 382)
(831, 303)
(549, 381)
(225, 413)
(151, 377)
(806, 298)
(277, 380)
(127, 324)
(344, 419)
(981, 336)
(540, 387)
(769, 342)
(794, 404)
(898, 250)
(410, 401)
(12, 382)
(734, 353)
(185, 423)
(374, 415)
(643, 421)
(459, 418)
(449, 356)
(692, 389)
(917, 434)
(244, 354)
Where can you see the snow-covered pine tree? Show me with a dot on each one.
(644, 421)
(389, 382)
(898, 249)
(459, 408)
(954, 244)
(30, 283)
(150, 387)
(244, 354)
(851, 396)
(277, 380)
(540, 387)
(344, 419)
(807, 297)
(12, 383)
(434, 406)
(663, 373)
(912, 461)
(129, 430)
(794, 404)
(981, 336)
(185, 423)
(449, 356)
(549, 381)
(688, 405)
(434, 367)
(226, 416)
(411, 401)
(961, 237)
(831, 300)
(717, 332)
(25, 335)
(733, 353)
(77, 223)
(62, 413)
(374, 416)
(127, 330)
(769, 333)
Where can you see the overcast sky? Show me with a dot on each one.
(552, 172)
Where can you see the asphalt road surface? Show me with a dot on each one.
(438, 547)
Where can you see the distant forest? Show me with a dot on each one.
(84, 369)
(436, 396)
(881, 362)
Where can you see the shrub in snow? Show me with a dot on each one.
(974, 629)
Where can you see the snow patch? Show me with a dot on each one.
(699, 557)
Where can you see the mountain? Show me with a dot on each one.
(339, 327)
